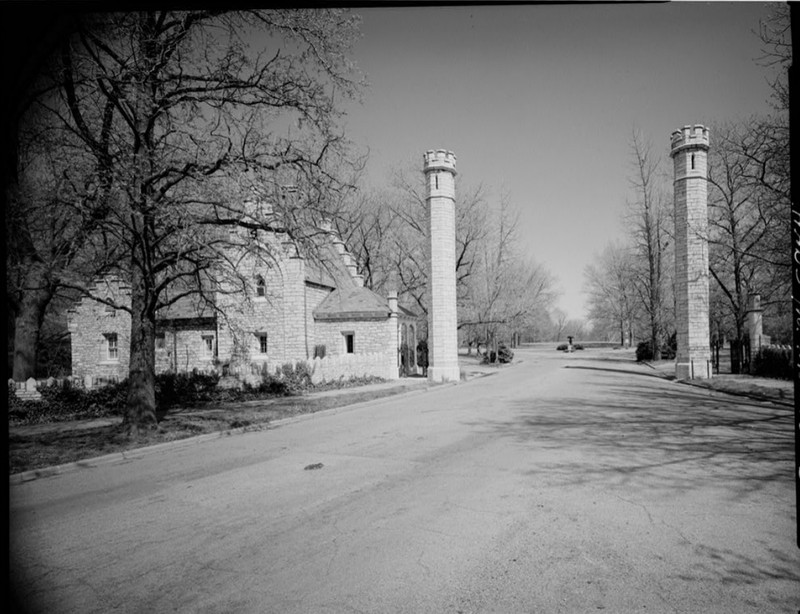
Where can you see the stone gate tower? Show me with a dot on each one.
(440, 173)
(690, 156)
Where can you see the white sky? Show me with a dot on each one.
(540, 101)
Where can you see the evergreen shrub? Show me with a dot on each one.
(773, 361)
(64, 401)
(644, 351)
(174, 389)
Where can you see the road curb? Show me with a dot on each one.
(754, 396)
(736, 393)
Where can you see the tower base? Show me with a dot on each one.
(444, 374)
(693, 369)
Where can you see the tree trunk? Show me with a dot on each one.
(140, 412)
(656, 343)
(28, 322)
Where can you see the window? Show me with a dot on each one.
(692, 161)
(161, 341)
(349, 343)
(263, 346)
(112, 347)
(208, 345)
(261, 287)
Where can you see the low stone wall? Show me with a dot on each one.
(328, 369)
(29, 389)
(332, 368)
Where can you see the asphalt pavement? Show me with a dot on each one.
(565, 483)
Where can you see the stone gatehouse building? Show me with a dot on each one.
(295, 309)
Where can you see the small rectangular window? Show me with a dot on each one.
(112, 347)
(208, 345)
(262, 343)
(161, 341)
(349, 343)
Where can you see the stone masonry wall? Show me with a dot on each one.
(185, 350)
(689, 152)
(439, 171)
(91, 323)
(371, 336)
(314, 296)
(294, 309)
(246, 316)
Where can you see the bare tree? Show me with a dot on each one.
(559, 323)
(776, 39)
(612, 299)
(51, 215)
(369, 224)
(54, 231)
(648, 219)
(748, 225)
(194, 119)
(506, 291)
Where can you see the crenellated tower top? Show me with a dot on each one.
(690, 137)
(439, 160)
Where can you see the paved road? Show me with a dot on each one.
(561, 484)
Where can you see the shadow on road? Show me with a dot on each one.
(610, 370)
(664, 436)
(661, 443)
(730, 567)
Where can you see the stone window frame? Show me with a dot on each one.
(349, 337)
(262, 341)
(111, 347)
(208, 346)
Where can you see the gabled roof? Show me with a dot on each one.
(353, 303)
(188, 307)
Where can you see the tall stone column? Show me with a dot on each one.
(755, 323)
(440, 172)
(690, 156)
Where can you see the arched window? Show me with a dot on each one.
(261, 287)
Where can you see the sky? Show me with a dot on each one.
(540, 102)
